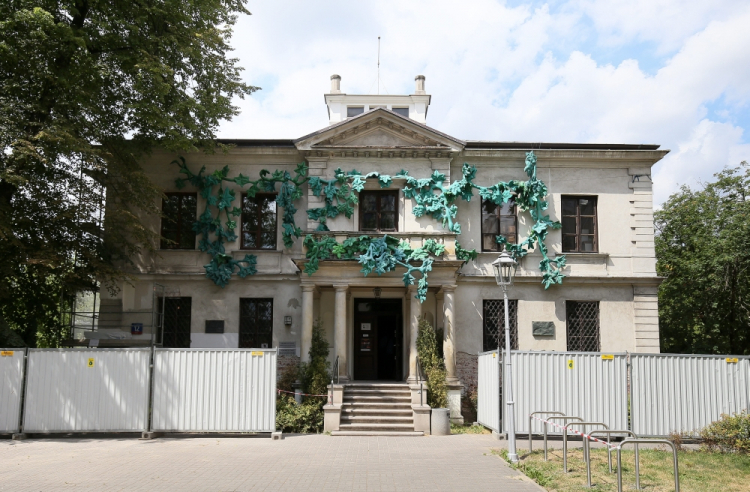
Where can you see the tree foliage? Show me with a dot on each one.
(432, 365)
(703, 251)
(87, 88)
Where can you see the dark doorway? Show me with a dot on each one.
(175, 331)
(378, 338)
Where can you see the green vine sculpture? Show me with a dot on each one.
(381, 255)
(222, 265)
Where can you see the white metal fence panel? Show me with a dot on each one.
(590, 385)
(219, 390)
(95, 390)
(684, 393)
(488, 391)
(11, 381)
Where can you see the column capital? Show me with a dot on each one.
(448, 288)
(341, 287)
(308, 287)
(411, 288)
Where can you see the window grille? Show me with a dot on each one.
(582, 320)
(174, 330)
(256, 323)
(494, 324)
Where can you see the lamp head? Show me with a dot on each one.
(505, 269)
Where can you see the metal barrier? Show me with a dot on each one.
(565, 380)
(585, 439)
(531, 416)
(488, 391)
(214, 390)
(637, 471)
(664, 384)
(11, 388)
(85, 390)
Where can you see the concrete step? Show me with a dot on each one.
(377, 392)
(377, 427)
(374, 405)
(376, 419)
(393, 412)
(378, 433)
(376, 399)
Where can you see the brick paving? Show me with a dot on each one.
(460, 462)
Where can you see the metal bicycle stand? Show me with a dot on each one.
(565, 439)
(531, 416)
(646, 441)
(585, 442)
(609, 433)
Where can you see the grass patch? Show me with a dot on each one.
(700, 471)
(469, 429)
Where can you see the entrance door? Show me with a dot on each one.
(378, 335)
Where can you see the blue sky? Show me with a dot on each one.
(676, 73)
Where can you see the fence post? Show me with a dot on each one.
(22, 403)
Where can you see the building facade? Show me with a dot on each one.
(601, 194)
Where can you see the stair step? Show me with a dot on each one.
(377, 392)
(377, 404)
(378, 420)
(406, 411)
(378, 433)
(376, 427)
(406, 399)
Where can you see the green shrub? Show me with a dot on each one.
(315, 378)
(731, 433)
(432, 365)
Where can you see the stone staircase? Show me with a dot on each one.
(376, 409)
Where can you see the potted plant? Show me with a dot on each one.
(433, 368)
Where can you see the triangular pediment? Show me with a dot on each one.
(380, 130)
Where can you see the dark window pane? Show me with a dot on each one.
(490, 225)
(369, 203)
(587, 225)
(259, 222)
(587, 244)
(587, 205)
(569, 243)
(569, 225)
(402, 111)
(370, 222)
(354, 111)
(387, 221)
(489, 243)
(179, 211)
(508, 208)
(173, 322)
(569, 206)
(388, 203)
(256, 323)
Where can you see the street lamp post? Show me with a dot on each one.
(505, 271)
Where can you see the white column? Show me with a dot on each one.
(449, 340)
(339, 327)
(307, 321)
(414, 313)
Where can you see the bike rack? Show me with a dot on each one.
(609, 448)
(565, 438)
(585, 444)
(531, 416)
(637, 478)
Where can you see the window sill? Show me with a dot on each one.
(591, 255)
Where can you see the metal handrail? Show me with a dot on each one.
(531, 416)
(646, 441)
(585, 445)
(334, 375)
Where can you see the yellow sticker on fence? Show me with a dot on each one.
(494, 355)
(6, 353)
(256, 353)
(731, 360)
(608, 357)
(570, 363)
(91, 363)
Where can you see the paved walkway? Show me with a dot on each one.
(460, 462)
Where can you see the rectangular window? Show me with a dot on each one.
(498, 221)
(378, 211)
(259, 222)
(354, 110)
(173, 323)
(179, 212)
(579, 229)
(402, 111)
(494, 324)
(582, 319)
(256, 323)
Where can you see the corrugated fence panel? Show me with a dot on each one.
(73, 390)
(11, 379)
(581, 384)
(221, 390)
(488, 390)
(684, 393)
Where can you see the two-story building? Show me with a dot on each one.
(600, 193)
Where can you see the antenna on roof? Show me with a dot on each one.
(378, 65)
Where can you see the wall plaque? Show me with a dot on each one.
(543, 328)
(214, 326)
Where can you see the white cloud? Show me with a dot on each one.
(513, 73)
